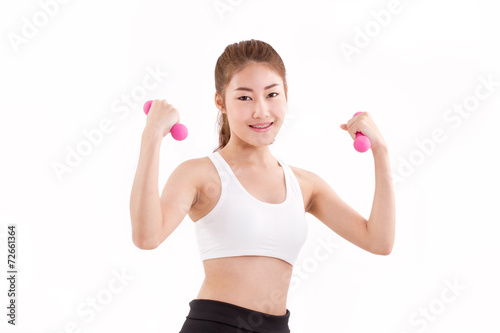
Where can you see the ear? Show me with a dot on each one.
(218, 101)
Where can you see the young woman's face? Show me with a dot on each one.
(255, 97)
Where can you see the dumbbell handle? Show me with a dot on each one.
(361, 143)
(179, 131)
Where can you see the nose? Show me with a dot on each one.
(261, 109)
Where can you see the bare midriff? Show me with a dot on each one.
(258, 283)
(254, 282)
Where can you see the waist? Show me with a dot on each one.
(254, 282)
(215, 312)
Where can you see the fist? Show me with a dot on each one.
(364, 123)
(162, 117)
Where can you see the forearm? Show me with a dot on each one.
(145, 209)
(381, 224)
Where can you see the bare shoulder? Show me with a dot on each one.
(306, 181)
(299, 171)
(202, 172)
(197, 168)
(306, 176)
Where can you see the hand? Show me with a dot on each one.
(364, 123)
(161, 117)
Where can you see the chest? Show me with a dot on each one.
(269, 187)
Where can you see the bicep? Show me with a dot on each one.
(336, 214)
(178, 196)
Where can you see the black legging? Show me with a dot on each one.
(210, 316)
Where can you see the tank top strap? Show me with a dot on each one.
(292, 180)
(222, 168)
(226, 175)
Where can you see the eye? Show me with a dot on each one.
(240, 98)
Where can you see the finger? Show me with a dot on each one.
(349, 130)
(344, 127)
(352, 134)
(353, 120)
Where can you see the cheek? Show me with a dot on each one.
(236, 118)
(282, 113)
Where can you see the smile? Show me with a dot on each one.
(261, 128)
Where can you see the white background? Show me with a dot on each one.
(74, 231)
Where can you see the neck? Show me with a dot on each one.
(247, 155)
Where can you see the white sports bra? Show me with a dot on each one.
(240, 224)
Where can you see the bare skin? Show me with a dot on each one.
(254, 282)
(254, 97)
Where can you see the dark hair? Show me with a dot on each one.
(235, 58)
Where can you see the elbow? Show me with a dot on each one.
(144, 238)
(381, 245)
(383, 250)
(144, 244)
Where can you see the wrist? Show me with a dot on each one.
(380, 149)
(151, 134)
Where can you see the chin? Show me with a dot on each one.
(261, 144)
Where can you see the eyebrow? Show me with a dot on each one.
(248, 89)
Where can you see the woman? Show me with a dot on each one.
(248, 206)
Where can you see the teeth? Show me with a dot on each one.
(261, 126)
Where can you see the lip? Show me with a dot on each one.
(261, 129)
(261, 124)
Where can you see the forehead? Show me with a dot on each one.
(255, 75)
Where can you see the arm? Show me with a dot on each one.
(154, 218)
(337, 215)
(372, 235)
(381, 224)
(145, 210)
(375, 235)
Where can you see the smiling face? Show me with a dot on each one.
(255, 96)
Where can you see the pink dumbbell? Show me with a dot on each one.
(361, 143)
(179, 131)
